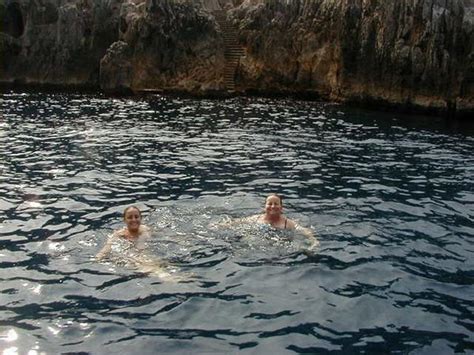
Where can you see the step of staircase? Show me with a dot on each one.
(237, 52)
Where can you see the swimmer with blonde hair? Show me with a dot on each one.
(133, 231)
(137, 233)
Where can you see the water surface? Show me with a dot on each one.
(389, 196)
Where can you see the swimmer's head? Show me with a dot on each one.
(131, 208)
(274, 197)
(273, 205)
(132, 218)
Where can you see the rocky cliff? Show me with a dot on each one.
(118, 44)
(165, 45)
(410, 53)
(55, 42)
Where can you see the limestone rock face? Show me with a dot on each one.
(174, 46)
(404, 52)
(56, 41)
(414, 52)
(169, 44)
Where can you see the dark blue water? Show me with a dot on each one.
(389, 196)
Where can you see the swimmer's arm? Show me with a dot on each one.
(308, 233)
(234, 221)
(108, 245)
(105, 250)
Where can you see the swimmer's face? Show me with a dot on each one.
(273, 205)
(132, 218)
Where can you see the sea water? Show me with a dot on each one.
(389, 196)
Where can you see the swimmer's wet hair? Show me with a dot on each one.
(279, 197)
(129, 208)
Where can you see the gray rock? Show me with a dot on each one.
(406, 52)
(175, 46)
(116, 69)
(61, 42)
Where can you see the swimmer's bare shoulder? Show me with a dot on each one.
(251, 219)
(118, 233)
(290, 224)
(145, 231)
